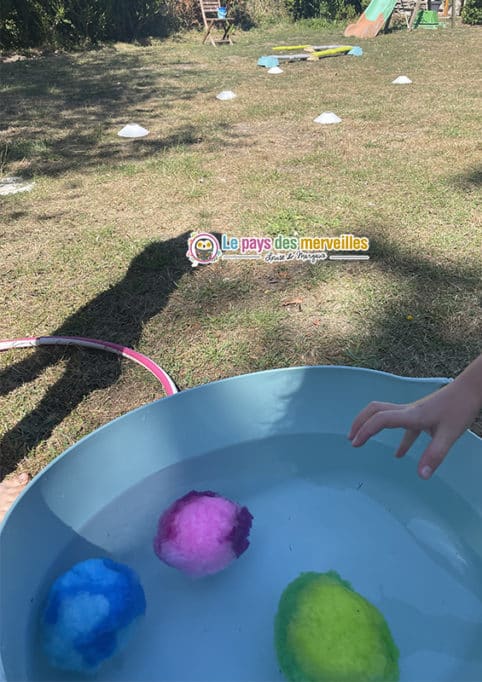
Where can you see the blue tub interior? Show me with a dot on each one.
(275, 442)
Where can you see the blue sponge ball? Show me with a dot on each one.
(89, 613)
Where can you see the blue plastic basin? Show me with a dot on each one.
(276, 442)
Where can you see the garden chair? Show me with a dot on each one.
(211, 19)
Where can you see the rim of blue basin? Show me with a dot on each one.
(434, 382)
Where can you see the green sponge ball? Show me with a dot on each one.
(326, 632)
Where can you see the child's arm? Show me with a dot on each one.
(444, 415)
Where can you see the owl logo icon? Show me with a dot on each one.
(203, 248)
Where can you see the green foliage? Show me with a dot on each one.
(472, 12)
(69, 23)
(241, 13)
(327, 10)
(266, 12)
(187, 13)
(65, 23)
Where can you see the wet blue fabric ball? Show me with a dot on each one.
(90, 612)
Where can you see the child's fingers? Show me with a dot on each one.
(434, 455)
(371, 409)
(387, 419)
(409, 438)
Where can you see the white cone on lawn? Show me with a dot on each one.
(327, 117)
(133, 130)
(14, 185)
(401, 80)
(225, 95)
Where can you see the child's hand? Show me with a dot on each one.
(444, 415)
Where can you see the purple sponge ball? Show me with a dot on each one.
(202, 533)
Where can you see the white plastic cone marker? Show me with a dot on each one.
(14, 185)
(133, 130)
(225, 95)
(275, 69)
(401, 80)
(327, 117)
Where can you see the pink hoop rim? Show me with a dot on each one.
(161, 375)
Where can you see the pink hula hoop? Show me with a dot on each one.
(163, 377)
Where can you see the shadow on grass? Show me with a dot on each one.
(442, 337)
(444, 301)
(118, 315)
(59, 111)
(432, 327)
(470, 180)
(76, 152)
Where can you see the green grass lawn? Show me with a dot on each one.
(98, 247)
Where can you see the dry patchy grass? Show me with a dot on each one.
(98, 248)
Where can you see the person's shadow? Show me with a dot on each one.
(118, 315)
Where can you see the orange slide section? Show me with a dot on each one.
(372, 20)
